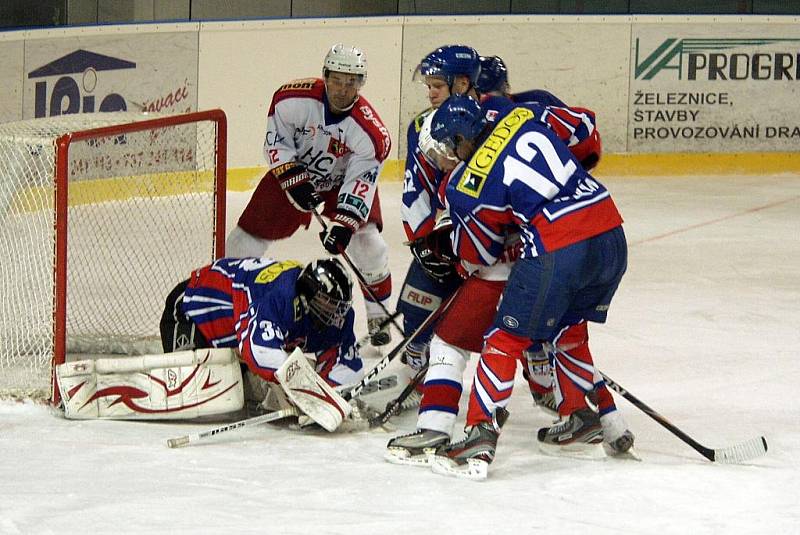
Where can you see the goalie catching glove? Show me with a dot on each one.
(434, 253)
(296, 183)
(337, 236)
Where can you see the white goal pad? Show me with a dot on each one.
(181, 385)
(312, 395)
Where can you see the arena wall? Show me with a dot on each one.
(673, 94)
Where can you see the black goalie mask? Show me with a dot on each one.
(326, 287)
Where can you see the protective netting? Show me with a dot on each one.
(141, 216)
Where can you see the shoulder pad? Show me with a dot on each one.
(300, 84)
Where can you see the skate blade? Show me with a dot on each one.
(474, 470)
(575, 450)
(630, 455)
(403, 456)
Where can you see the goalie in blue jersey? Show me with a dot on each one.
(267, 309)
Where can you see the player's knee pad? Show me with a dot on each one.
(446, 362)
(241, 244)
(178, 333)
(370, 253)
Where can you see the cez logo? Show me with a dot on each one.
(708, 59)
(73, 91)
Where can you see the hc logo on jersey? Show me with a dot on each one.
(73, 91)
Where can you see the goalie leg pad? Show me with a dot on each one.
(310, 393)
(182, 385)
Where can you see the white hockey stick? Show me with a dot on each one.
(249, 422)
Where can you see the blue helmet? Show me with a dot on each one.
(459, 115)
(494, 75)
(451, 61)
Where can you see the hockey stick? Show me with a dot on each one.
(360, 276)
(256, 420)
(392, 406)
(433, 316)
(744, 451)
(212, 433)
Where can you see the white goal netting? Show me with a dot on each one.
(141, 214)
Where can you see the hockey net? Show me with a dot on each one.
(101, 215)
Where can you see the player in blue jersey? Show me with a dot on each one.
(577, 128)
(517, 175)
(451, 69)
(266, 308)
(477, 297)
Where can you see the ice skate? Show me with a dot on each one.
(415, 448)
(577, 436)
(470, 457)
(617, 438)
(378, 336)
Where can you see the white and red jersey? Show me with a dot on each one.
(342, 152)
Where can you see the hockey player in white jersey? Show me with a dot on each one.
(325, 144)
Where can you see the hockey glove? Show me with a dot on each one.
(435, 254)
(296, 183)
(337, 236)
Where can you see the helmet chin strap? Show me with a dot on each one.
(340, 110)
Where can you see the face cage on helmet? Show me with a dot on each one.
(328, 310)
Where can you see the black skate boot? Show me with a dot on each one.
(580, 435)
(379, 336)
(415, 448)
(470, 457)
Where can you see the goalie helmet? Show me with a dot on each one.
(327, 290)
(347, 59)
(493, 76)
(448, 62)
(459, 115)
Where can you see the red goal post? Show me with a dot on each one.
(133, 202)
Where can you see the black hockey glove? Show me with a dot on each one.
(435, 254)
(296, 183)
(337, 237)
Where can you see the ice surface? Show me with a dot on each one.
(705, 329)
